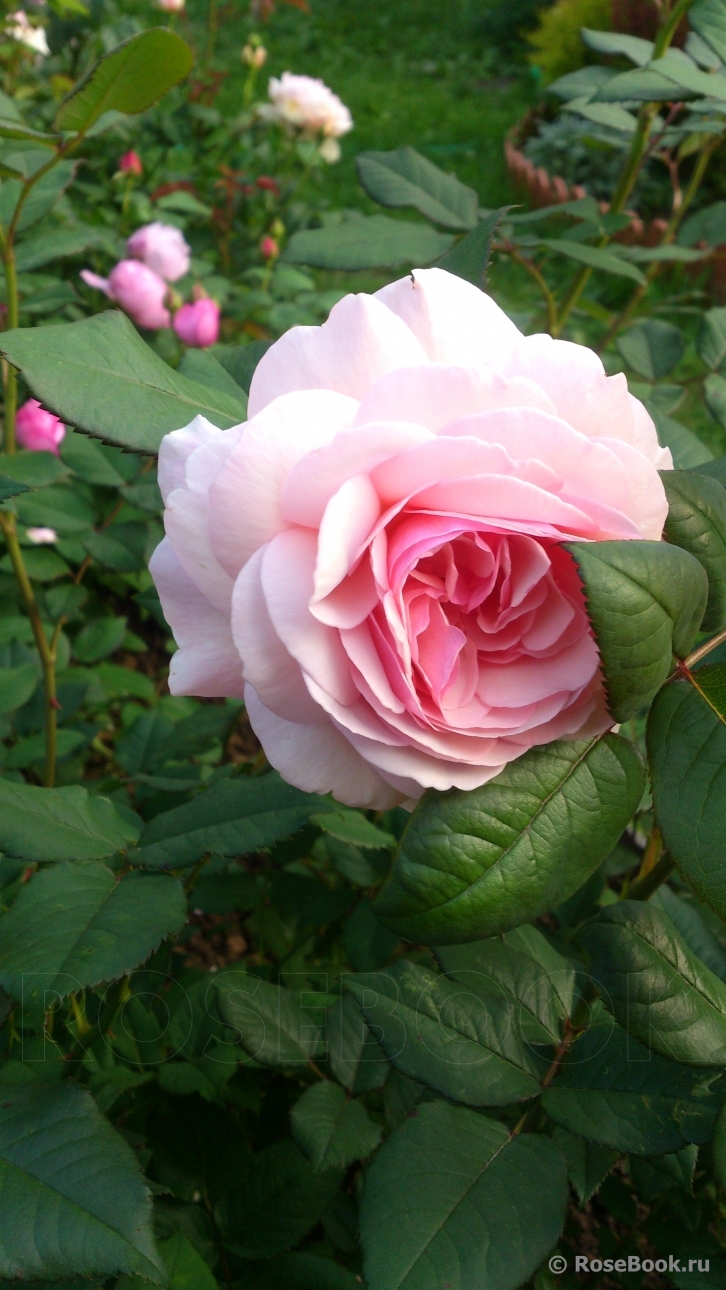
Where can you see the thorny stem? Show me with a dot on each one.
(46, 650)
(534, 272)
(668, 237)
(633, 163)
(117, 995)
(563, 1048)
(701, 652)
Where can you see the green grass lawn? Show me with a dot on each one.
(416, 72)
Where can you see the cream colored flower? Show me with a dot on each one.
(307, 105)
(20, 29)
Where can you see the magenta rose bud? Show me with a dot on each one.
(37, 429)
(130, 164)
(162, 248)
(269, 248)
(376, 557)
(198, 324)
(139, 291)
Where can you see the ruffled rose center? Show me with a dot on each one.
(457, 606)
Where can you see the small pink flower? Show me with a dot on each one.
(170, 6)
(131, 164)
(161, 247)
(269, 248)
(198, 324)
(138, 290)
(37, 429)
(41, 536)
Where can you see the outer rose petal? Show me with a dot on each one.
(244, 500)
(454, 321)
(186, 523)
(176, 449)
(318, 759)
(435, 395)
(361, 341)
(206, 663)
(268, 667)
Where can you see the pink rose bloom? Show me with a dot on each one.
(377, 552)
(139, 291)
(37, 429)
(198, 324)
(162, 248)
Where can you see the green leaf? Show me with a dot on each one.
(696, 522)
(469, 258)
(90, 461)
(610, 114)
(522, 964)
(43, 248)
(100, 376)
(355, 1058)
(371, 242)
(240, 361)
(687, 919)
(718, 1147)
(72, 1197)
(669, 253)
(678, 67)
(270, 1024)
(330, 1130)
(27, 752)
(129, 79)
(613, 1091)
(17, 684)
(595, 257)
(75, 925)
(654, 986)
(714, 389)
(187, 1269)
(707, 17)
(277, 1199)
(42, 196)
(41, 564)
(711, 342)
(464, 1043)
(33, 469)
(707, 225)
(199, 365)
(121, 547)
(473, 864)
(687, 752)
(59, 824)
(638, 51)
(644, 85)
(405, 178)
(352, 827)
(646, 601)
(233, 817)
(585, 81)
(587, 1163)
(59, 507)
(98, 639)
(687, 449)
(652, 348)
(471, 1188)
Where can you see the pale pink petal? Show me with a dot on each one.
(176, 449)
(244, 500)
(96, 281)
(360, 341)
(267, 666)
(318, 475)
(206, 461)
(206, 664)
(645, 437)
(187, 528)
(288, 570)
(533, 679)
(348, 520)
(454, 321)
(318, 759)
(498, 497)
(435, 395)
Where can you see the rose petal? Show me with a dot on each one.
(206, 664)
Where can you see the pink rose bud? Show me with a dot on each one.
(131, 164)
(37, 429)
(198, 324)
(162, 248)
(269, 248)
(268, 184)
(139, 292)
(170, 6)
(392, 521)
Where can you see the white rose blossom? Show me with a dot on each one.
(308, 105)
(20, 29)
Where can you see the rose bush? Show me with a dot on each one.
(377, 552)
